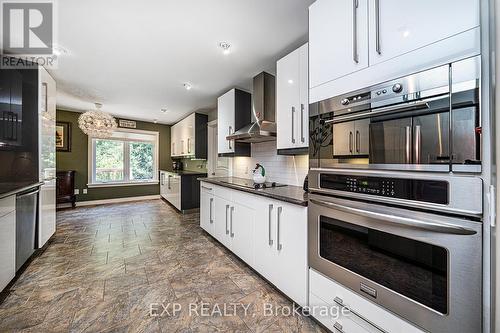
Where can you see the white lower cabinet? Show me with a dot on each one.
(269, 235)
(281, 247)
(362, 315)
(170, 188)
(47, 212)
(241, 230)
(207, 214)
(7, 241)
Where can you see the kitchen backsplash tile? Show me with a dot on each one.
(289, 170)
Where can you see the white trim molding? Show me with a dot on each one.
(138, 183)
(111, 201)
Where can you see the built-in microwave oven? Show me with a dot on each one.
(428, 121)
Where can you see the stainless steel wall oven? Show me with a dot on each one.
(396, 195)
(429, 121)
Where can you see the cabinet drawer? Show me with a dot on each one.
(216, 190)
(329, 290)
(7, 205)
(7, 249)
(332, 317)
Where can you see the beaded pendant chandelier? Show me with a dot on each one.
(97, 123)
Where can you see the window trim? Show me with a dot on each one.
(91, 160)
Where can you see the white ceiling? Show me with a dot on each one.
(135, 56)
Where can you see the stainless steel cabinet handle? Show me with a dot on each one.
(418, 144)
(408, 144)
(377, 27)
(269, 224)
(206, 188)
(169, 176)
(227, 230)
(211, 203)
(278, 222)
(293, 124)
(350, 142)
(340, 303)
(358, 139)
(355, 56)
(302, 139)
(400, 221)
(173, 148)
(230, 129)
(231, 221)
(338, 327)
(182, 146)
(189, 146)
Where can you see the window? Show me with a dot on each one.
(126, 158)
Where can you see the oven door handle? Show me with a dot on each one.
(400, 220)
(383, 111)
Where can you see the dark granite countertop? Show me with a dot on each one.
(289, 193)
(187, 173)
(8, 189)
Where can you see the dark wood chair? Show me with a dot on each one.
(66, 187)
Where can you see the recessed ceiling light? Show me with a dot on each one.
(225, 46)
(290, 81)
(59, 50)
(187, 86)
(164, 110)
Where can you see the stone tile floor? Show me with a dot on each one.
(108, 267)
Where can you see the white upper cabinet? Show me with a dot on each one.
(189, 137)
(359, 43)
(292, 100)
(287, 100)
(225, 121)
(304, 97)
(396, 29)
(338, 39)
(233, 113)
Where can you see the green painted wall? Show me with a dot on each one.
(77, 160)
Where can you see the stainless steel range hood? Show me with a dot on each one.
(263, 126)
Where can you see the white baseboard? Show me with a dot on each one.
(110, 201)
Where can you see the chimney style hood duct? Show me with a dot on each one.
(263, 126)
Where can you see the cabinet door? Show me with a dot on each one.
(338, 39)
(173, 140)
(265, 238)
(47, 124)
(404, 28)
(207, 209)
(7, 249)
(291, 251)
(222, 207)
(303, 114)
(190, 134)
(343, 139)
(362, 137)
(175, 189)
(241, 220)
(163, 185)
(225, 121)
(288, 100)
(47, 212)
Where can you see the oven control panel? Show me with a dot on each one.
(434, 191)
